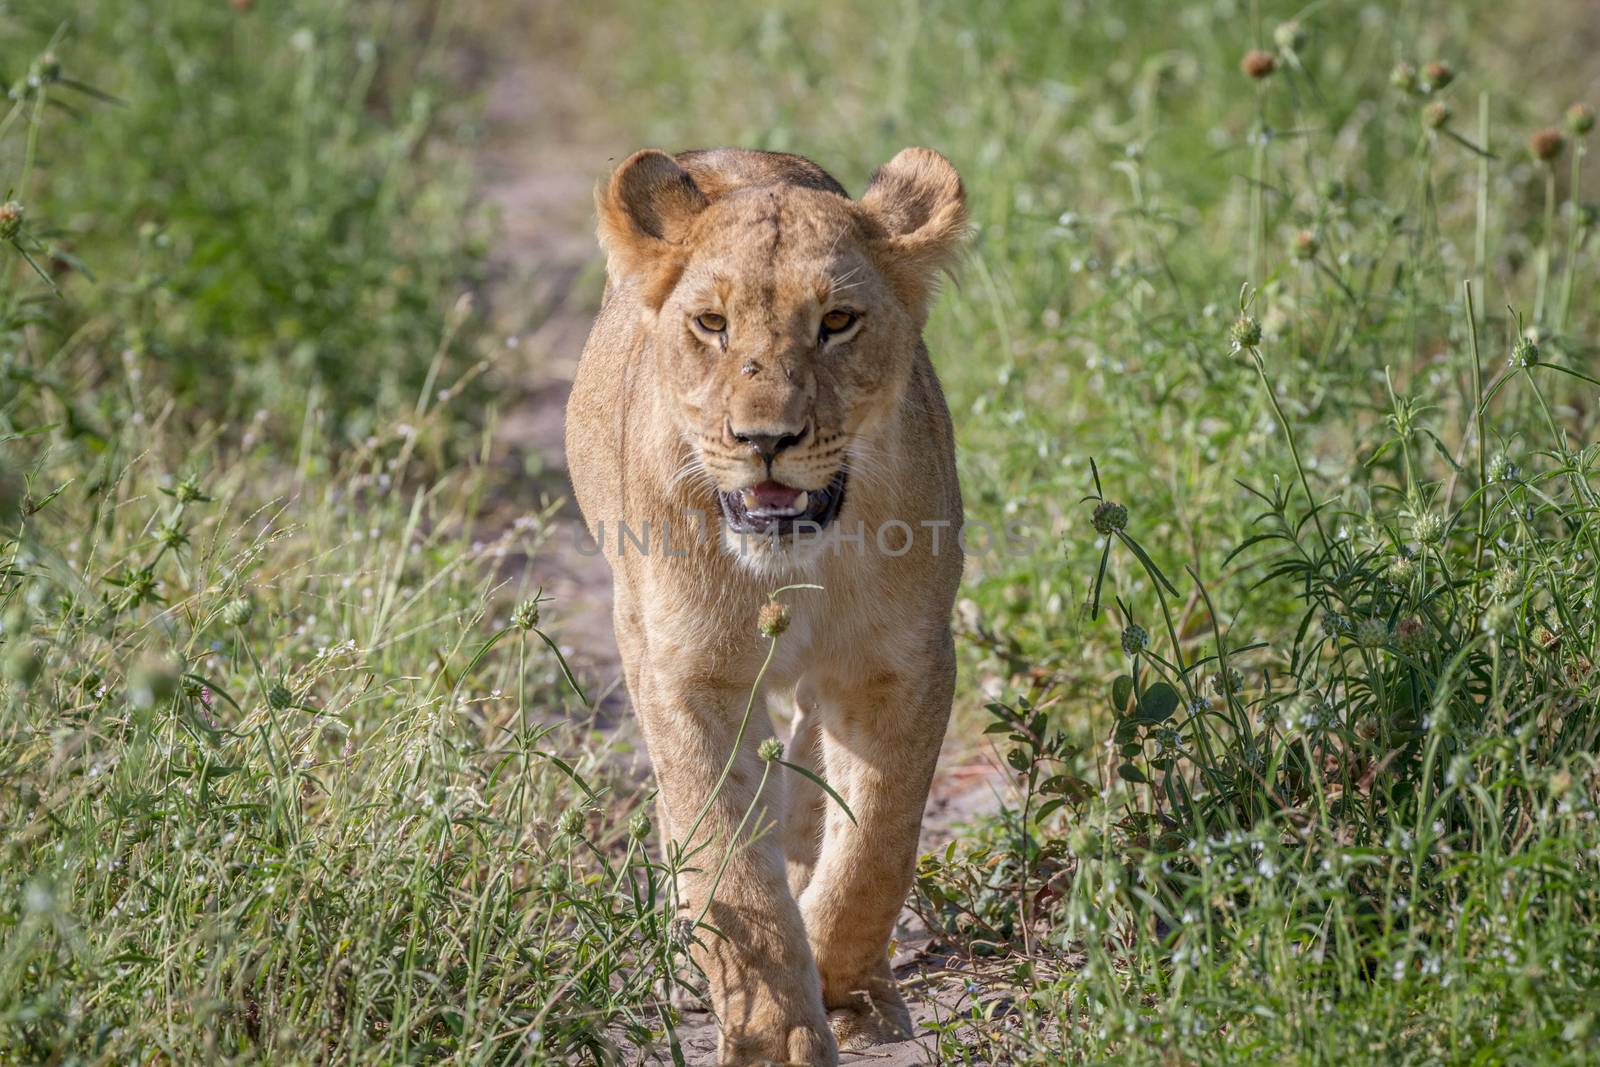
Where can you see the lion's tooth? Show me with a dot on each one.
(801, 502)
(751, 501)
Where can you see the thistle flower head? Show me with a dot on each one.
(47, 68)
(1372, 632)
(1109, 517)
(639, 826)
(526, 616)
(1428, 527)
(770, 749)
(774, 619)
(570, 823)
(1305, 245)
(1436, 75)
(1400, 569)
(1246, 332)
(1290, 36)
(11, 213)
(1134, 639)
(1506, 582)
(1404, 77)
(279, 697)
(1221, 684)
(1411, 635)
(237, 612)
(188, 491)
(1525, 353)
(1436, 116)
(1547, 145)
(1580, 119)
(1502, 468)
(1258, 64)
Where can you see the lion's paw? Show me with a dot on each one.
(876, 1020)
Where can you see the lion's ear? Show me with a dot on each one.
(645, 210)
(920, 209)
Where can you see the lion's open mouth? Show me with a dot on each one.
(774, 509)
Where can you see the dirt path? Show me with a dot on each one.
(548, 145)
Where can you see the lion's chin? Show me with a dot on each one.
(747, 514)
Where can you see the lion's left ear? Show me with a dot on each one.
(920, 208)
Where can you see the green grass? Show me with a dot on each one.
(1304, 746)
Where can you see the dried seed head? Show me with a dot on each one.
(1290, 36)
(1525, 353)
(1109, 517)
(1580, 119)
(1305, 245)
(1411, 635)
(770, 749)
(680, 933)
(1436, 75)
(10, 220)
(773, 620)
(1404, 77)
(1134, 639)
(1221, 685)
(1258, 64)
(1246, 332)
(1547, 145)
(1436, 115)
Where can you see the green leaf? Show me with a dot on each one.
(826, 788)
(566, 671)
(1129, 773)
(1158, 703)
(1121, 693)
(1149, 564)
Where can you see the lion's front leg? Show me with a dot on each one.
(762, 979)
(881, 742)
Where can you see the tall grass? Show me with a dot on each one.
(290, 770)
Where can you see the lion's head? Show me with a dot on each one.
(785, 318)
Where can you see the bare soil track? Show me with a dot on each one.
(549, 142)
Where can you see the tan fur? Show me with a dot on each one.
(769, 241)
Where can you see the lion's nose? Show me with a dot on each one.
(768, 445)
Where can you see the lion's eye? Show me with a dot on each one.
(837, 322)
(711, 322)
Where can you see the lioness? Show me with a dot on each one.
(755, 407)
